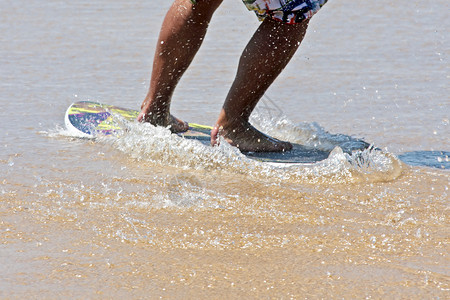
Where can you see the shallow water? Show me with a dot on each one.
(148, 214)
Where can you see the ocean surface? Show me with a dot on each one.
(150, 215)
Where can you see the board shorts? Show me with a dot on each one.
(286, 11)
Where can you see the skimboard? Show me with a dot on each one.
(90, 119)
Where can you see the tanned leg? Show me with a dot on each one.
(181, 36)
(268, 52)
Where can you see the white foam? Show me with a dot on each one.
(158, 145)
(145, 142)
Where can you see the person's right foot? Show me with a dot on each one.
(176, 125)
(247, 138)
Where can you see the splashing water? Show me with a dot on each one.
(147, 143)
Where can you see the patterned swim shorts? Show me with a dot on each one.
(286, 11)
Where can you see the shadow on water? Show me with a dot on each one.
(434, 159)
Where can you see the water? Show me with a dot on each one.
(149, 214)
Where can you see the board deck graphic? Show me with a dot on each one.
(90, 119)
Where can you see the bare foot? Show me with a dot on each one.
(247, 138)
(176, 125)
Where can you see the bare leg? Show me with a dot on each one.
(181, 36)
(268, 52)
